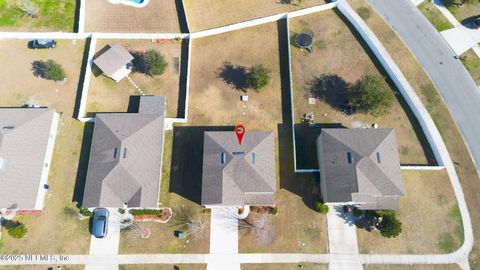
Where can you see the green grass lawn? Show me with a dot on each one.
(463, 12)
(472, 63)
(53, 15)
(435, 17)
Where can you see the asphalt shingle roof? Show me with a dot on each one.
(113, 59)
(24, 136)
(125, 158)
(360, 165)
(247, 175)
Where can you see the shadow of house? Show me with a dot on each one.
(234, 75)
(306, 143)
(83, 164)
(187, 160)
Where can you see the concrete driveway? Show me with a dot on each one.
(342, 239)
(456, 86)
(224, 239)
(108, 245)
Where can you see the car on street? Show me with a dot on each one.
(100, 222)
(42, 44)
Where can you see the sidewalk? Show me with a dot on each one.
(224, 239)
(342, 239)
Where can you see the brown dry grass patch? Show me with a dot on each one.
(429, 215)
(58, 230)
(107, 96)
(337, 51)
(157, 16)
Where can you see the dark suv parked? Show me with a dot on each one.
(42, 44)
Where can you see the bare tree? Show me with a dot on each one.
(260, 225)
(190, 221)
(29, 8)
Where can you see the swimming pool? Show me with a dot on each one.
(132, 3)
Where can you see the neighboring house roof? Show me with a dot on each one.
(113, 59)
(126, 158)
(24, 140)
(360, 165)
(238, 175)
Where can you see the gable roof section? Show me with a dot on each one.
(360, 163)
(113, 59)
(247, 175)
(24, 139)
(125, 160)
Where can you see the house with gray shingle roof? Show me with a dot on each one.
(114, 62)
(360, 166)
(27, 139)
(126, 157)
(238, 174)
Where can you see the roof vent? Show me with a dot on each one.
(115, 152)
(8, 127)
(349, 157)
(223, 158)
(254, 157)
(238, 153)
(378, 158)
(125, 152)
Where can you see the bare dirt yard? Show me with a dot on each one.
(163, 267)
(430, 217)
(105, 95)
(58, 230)
(411, 267)
(338, 54)
(159, 16)
(26, 267)
(206, 14)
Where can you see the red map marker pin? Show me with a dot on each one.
(239, 131)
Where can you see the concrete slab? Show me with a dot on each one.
(458, 40)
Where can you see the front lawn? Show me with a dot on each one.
(431, 221)
(284, 266)
(471, 61)
(50, 16)
(105, 95)
(469, 9)
(58, 230)
(435, 17)
(339, 60)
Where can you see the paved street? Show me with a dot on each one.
(448, 74)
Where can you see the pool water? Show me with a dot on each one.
(136, 1)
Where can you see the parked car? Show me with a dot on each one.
(100, 222)
(42, 44)
(472, 22)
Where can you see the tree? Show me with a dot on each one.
(390, 226)
(16, 229)
(320, 207)
(155, 63)
(260, 225)
(258, 77)
(49, 70)
(190, 221)
(371, 95)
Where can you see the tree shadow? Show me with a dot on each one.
(38, 68)
(332, 89)
(83, 164)
(138, 62)
(187, 160)
(234, 75)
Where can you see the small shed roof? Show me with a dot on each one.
(113, 59)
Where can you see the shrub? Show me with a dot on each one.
(121, 211)
(371, 95)
(274, 211)
(258, 77)
(320, 207)
(145, 212)
(155, 63)
(364, 13)
(18, 231)
(49, 70)
(85, 212)
(390, 226)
